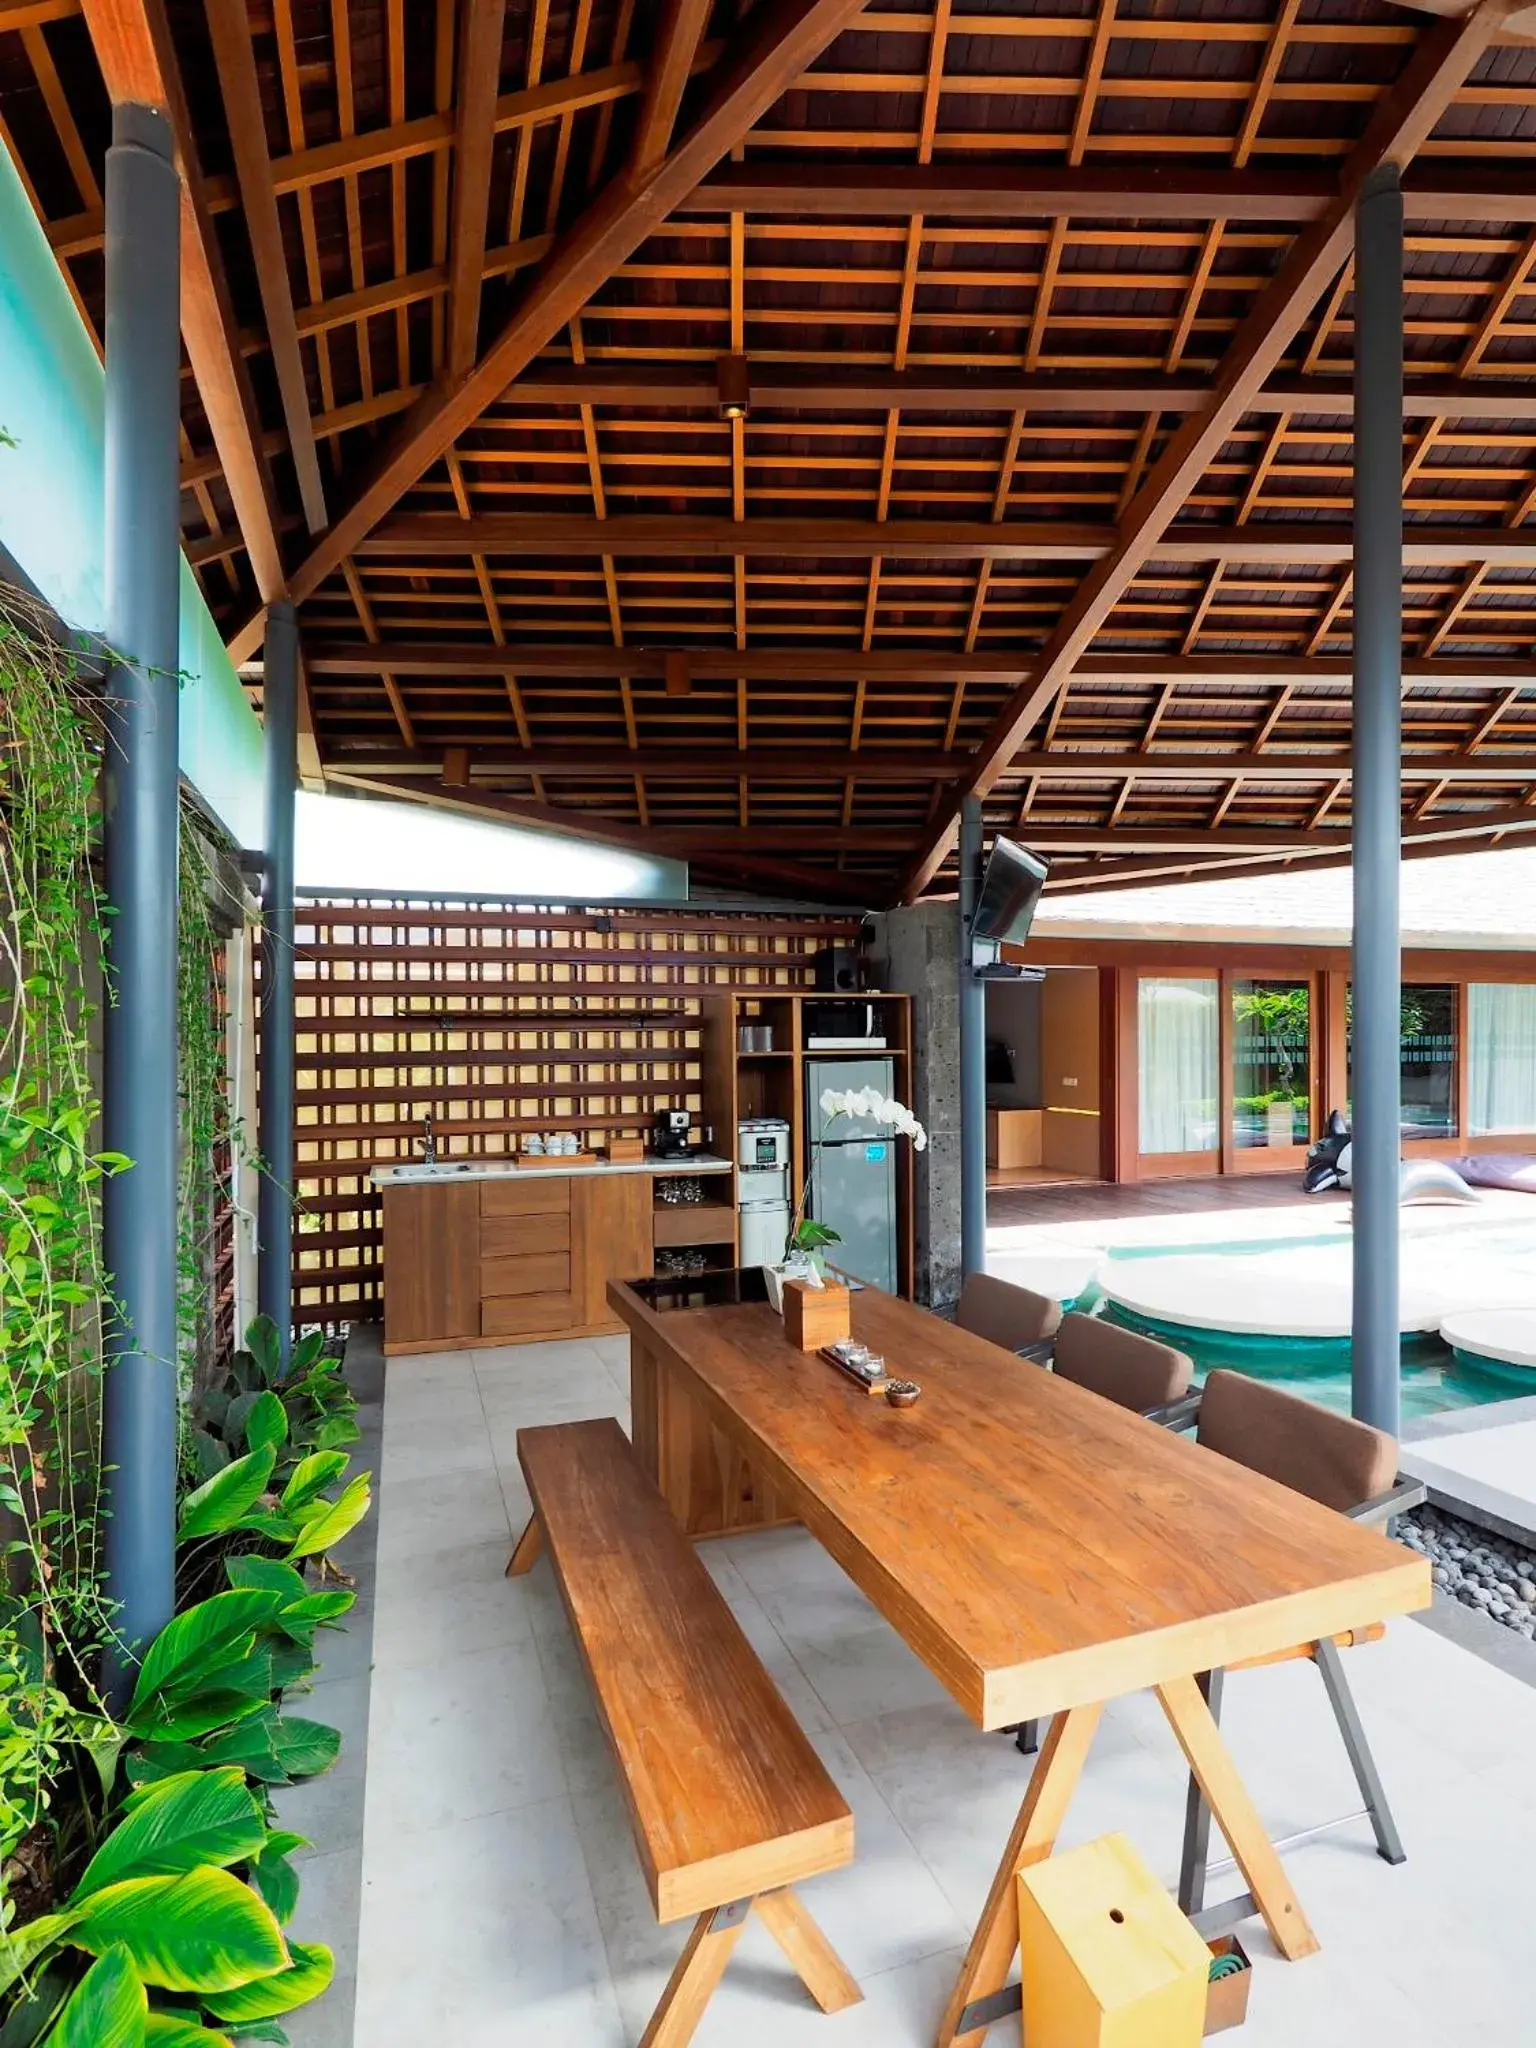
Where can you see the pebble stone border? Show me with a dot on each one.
(1481, 1570)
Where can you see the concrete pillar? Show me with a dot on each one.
(973, 1052)
(141, 823)
(274, 1227)
(1377, 799)
(916, 953)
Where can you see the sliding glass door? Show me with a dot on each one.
(1271, 1062)
(1178, 1073)
(1501, 1058)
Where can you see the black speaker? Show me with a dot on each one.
(839, 968)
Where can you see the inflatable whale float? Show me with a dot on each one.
(1330, 1163)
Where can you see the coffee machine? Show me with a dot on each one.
(669, 1134)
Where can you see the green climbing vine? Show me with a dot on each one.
(52, 1617)
(204, 1109)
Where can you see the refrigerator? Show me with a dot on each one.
(853, 1187)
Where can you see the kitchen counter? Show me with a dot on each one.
(489, 1252)
(454, 1170)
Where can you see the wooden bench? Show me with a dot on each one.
(729, 1803)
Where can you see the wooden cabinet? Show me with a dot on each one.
(511, 1261)
(432, 1261)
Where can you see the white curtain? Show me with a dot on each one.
(1501, 1057)
(1179, 1049)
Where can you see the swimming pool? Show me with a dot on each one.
(1276, 1304)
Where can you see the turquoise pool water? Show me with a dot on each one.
(1435, 1378)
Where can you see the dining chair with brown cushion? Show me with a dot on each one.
(1129, 1369)
(1006, 1315)
(1345, 1464)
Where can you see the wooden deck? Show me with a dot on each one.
(1087, 1201)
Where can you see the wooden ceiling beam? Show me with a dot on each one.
(133, 46)
(778, 43)
(837, 188)
(235, 59)
(382, 148)
(770, 763)
(428, 535)
(679, 33)
(480, 38)
(1401, 122)
(457, 659)
(834, 387)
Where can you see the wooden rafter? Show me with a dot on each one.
(138, 63)
(424, 535)
(480, 34)
(678, 763)
(229, 27)
(780, 43)
(679, 33)
(1401, 122)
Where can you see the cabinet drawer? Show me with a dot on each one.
(694, 1223)
(541, 1194)
(516, 1237)
(520, 1315)
(543, 1273)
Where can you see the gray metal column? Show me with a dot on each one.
(141, 824)
(973, 1056)
(1377, 782)
(274, 1209)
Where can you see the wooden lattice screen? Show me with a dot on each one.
(500, 1019)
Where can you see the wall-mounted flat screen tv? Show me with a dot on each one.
(1010, 893)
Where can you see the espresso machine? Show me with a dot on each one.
(669, 1134)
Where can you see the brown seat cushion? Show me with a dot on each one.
(1332, 1458)
(1135, 1371)
(1005, 1314)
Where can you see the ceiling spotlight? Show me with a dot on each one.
(733, 381)
(679, 682)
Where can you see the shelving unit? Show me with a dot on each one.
(741, 1084)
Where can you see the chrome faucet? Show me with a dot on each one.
(429, 1144)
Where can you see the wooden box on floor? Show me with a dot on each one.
(1108, 1960)
(1014, 1138)
(814, 1316)
(1226, 2003)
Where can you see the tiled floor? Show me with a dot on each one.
(502, 1903)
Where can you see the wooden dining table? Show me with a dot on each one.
(1041, 1550)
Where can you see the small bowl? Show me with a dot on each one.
(902, 1393)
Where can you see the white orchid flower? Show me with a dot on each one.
(879, 1108)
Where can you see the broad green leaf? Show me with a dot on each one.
(39, 2003)
(311, 1476)
(205, 1932)
(249, 1676)
(266, 1427)
(291, 1663)
(266, 1575)
(263, 2030)
(305, 1748)
(318, 1607)
(337, 1431)
(305, 1352)
(278, 1882)
(235, 1414)
(107, 2008)
(169, 2030)
(223, 1502)
(181, 1824)
(183, 1720)
(21, 1947)
(253, 1746)
(200, 1640)
(342, 1515)
(209, 1455)
(265, 1347)
(307, 1976)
